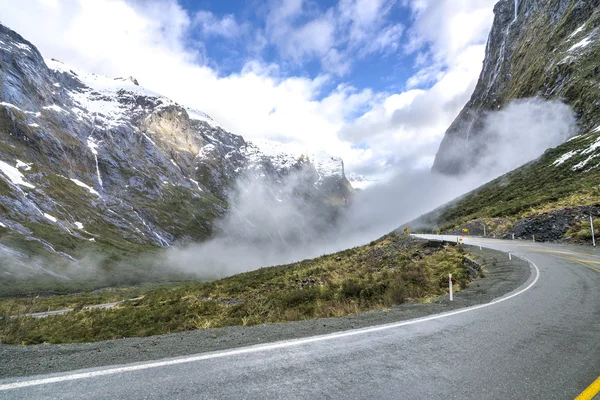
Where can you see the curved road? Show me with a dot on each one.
(541, 341)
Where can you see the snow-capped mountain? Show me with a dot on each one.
(94, 163)
(359, 181)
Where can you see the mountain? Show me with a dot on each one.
(549, 49)
(96, 165)
(359, 181)
(536, 48)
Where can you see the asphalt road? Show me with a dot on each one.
(542, 341)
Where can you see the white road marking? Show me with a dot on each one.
(259, 348)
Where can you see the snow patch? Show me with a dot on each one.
(25, 166)
(9, 105)
(34, 125)
(55, 108)
(83, 185)
(584, 42)
(23, 46)
(575, 32)
(15, 176)
(79, 225)
(206, 151)
(200, 116)
(50, 217)
(564, 157)
(197, 184)
(2, 225)
(592, 147)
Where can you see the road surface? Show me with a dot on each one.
(541, 341)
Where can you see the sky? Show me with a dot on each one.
(376, 82)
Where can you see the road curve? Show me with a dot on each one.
(540, 341)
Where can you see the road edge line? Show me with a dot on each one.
(266, 347)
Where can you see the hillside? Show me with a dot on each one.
(96, 170)
(536, 48)
(382, 274)
(549, 49)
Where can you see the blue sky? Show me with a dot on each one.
(386, 69)
(376, 82)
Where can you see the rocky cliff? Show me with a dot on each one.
(536, 48)
(95, 164)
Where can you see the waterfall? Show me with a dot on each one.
(93, 146)
(503, 48)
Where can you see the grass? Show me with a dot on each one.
(540, 65)
(535, 188)
(382, 274)
(40, 303)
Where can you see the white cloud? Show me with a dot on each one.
(354, 28)
(372, 131)
(211, 25)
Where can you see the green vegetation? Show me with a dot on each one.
(24, 305)
(384, 273)
(532, 189)
(582, 230)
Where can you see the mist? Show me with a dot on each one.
(269, 224)
(273, 222)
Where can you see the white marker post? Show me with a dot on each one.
(592, 229)
(513, 236)
(509, 255)
(450, 284)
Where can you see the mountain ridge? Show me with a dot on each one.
(96, 164)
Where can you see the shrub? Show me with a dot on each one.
(351, 288)
(395, 293)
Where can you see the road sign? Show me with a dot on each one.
(406, 229)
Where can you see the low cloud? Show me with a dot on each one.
(278, 232)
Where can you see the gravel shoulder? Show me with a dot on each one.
(503, 276)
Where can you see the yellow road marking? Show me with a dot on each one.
(570, 252)
(582, 262)
(590, 391)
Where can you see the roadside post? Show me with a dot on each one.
(509, 255)
(450, 284)
(592, 229)
(513, 236)
(484, 233)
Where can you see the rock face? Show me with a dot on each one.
(88, 161)
(544, 48)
